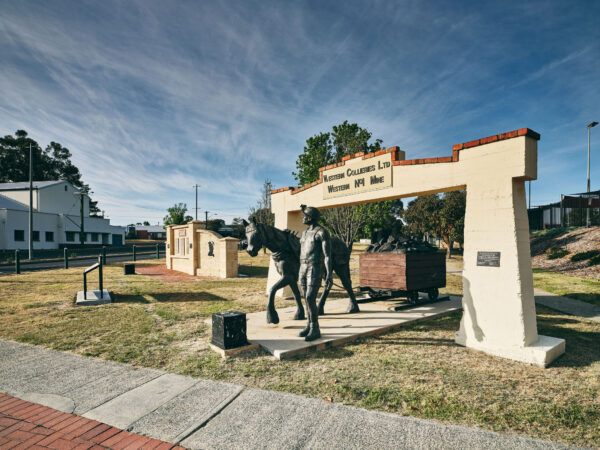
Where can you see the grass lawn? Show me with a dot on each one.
(416, 371)
(569, 286)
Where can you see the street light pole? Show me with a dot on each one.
(589, 127)
(30, 203)
(196, 186)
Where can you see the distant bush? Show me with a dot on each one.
(582, 256)
(556, 251)
(594, 261)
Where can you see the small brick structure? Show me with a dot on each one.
(196, 251)
(28, 425)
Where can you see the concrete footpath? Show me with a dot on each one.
(203, 414)
(567, 305)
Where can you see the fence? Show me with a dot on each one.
(572, 210)
(77, 256)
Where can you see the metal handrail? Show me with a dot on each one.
(93, 267)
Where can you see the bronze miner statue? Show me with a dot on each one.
(285, 253)
(315, 246)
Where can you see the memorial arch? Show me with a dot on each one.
(498, 303)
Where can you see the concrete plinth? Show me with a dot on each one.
(541, 353)
(233, 351)
(337, 327)
(93, 298)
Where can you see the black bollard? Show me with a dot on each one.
(17, 262)
(100, 280)
(134, 252)
(66, 258)
(229, 330)
(157, 251)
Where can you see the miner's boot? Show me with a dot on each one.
(313, 319)
(305, 332)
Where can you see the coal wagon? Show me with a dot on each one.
(402, 274)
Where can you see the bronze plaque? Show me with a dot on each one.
(488, 259)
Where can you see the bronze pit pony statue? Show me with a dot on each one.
(285, 253)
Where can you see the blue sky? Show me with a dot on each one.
(153, 97)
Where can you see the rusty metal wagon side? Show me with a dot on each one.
(402, 275)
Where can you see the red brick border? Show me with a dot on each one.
(410, 162)
(29, 425)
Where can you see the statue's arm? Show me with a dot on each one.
(326, 244)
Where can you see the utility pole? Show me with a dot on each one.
(81, 227)
(206, 220)
(30, 202)
(196, 186)
(589, 127)
(82, 231)
(529, 194)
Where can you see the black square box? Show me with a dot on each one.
(229, 330)
(129, 269)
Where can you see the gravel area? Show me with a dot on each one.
(580, 240)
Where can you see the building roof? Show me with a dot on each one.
(9, 203)
(25, 185)
(150, 228)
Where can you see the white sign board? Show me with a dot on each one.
(358, 175)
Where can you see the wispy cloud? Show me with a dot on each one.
(153, 97)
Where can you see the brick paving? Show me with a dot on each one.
(29, 425)
(160, 272)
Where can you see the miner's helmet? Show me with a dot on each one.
(311, 212)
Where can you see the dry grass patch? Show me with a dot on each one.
(416, 371)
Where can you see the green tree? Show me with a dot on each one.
(262, 210)
(215, 224)
(239, 230)
(49, 164)
(323, 149)
(453, 216)
(442, 217)
(177, 215)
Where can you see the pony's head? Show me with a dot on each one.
(253, 236)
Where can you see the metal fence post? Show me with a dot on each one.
(157, 251)
(66, 258)
(17, 262)
(134, 252)
(103, 254)
(100, 276)
(85, 285)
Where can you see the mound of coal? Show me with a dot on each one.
(401, 245)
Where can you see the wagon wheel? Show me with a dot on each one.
(433, 293)
(412, 296)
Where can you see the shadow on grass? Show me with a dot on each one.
(170, 297)
(174, 297)
(131, 298)
(582, 347)
(254, 271)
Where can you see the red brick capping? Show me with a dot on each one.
(456, 149)
(498, 137)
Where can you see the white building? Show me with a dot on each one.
(56, 217)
